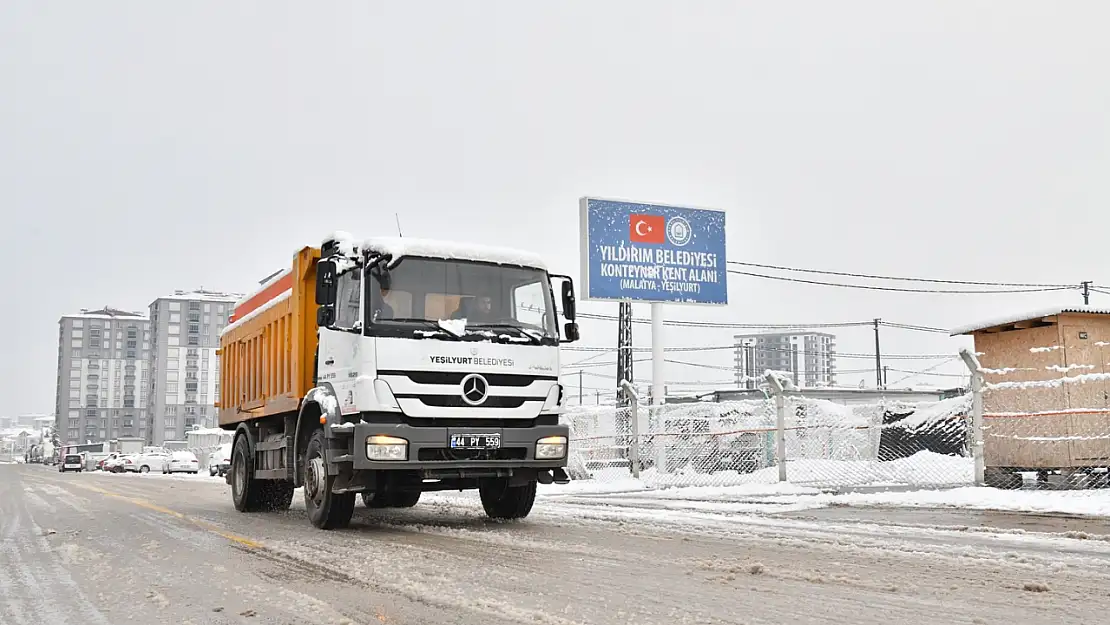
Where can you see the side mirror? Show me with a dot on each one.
(571, 332)
(568, 300)
(326, 284)
(325, 316)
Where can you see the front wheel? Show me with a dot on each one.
(326, 510)
(144, 469)
(504, 502)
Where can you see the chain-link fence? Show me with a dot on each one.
(1039, 422)
(732, 443)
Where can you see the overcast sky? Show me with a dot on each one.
(152, 146)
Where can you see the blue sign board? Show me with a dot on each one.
(652, 253)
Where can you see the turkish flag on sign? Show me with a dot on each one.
(647, 228)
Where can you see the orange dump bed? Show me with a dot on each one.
(268, 352)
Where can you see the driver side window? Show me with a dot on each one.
(528, 304)
(347, 299)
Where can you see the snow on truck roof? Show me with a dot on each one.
(429, 248)
(457, 251)
(1027, 316)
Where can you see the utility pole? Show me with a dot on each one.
(878, 358)
(580, 387)
(886, 378)
(1086, 292)
(597, 400)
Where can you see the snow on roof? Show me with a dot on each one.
(203, 295)
(399, 247)
(263, 285)
(106, 313)
(1027, 316)
(258, 311)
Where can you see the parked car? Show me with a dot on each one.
(116, 465)
(181, 462)
(147, 461)
(219, 461)
(72, 462)
(101, 466)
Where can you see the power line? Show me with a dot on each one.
(906, 326)
(762, 348)
(914, 374)
(872, 287)
(903, 279)
(714, 324)
(703, 348)
(771, 326)
(930, 373)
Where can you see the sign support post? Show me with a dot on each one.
(658, 385)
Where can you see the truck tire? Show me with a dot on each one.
(503, 502)
(404, 499)
(246, 492)
(326, 510)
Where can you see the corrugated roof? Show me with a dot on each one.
(1028, 316)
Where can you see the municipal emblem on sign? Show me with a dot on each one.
(678, 231)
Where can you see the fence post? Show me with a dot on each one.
(634, 441)
(780, 423)
(975, 436)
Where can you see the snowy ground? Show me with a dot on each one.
(152, 549)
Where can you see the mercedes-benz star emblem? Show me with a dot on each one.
(474, 389)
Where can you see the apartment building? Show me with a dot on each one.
(102, 375)
(184, 371)
(809, 356)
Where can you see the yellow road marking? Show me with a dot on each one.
(143, 503)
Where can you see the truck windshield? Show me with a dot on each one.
(415, 291)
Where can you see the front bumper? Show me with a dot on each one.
(428, 447)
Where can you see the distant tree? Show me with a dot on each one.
(54, 442)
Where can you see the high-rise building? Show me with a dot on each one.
(102, 362)
(809, 356)
(184, 371)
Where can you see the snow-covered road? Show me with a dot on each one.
(149, 549)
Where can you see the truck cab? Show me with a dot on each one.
(435, 367)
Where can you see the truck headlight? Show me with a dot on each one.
(382, 447)
(551, 448)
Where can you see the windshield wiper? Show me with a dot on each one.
(534, 339)
(435, 330)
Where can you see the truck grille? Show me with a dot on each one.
(455, 378)
(456, 401)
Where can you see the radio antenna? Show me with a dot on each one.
(397, 218)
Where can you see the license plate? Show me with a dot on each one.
(475, 441)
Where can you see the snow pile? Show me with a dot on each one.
(456, 327)
(1085, 502)
(924, 468)
(929, 413)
